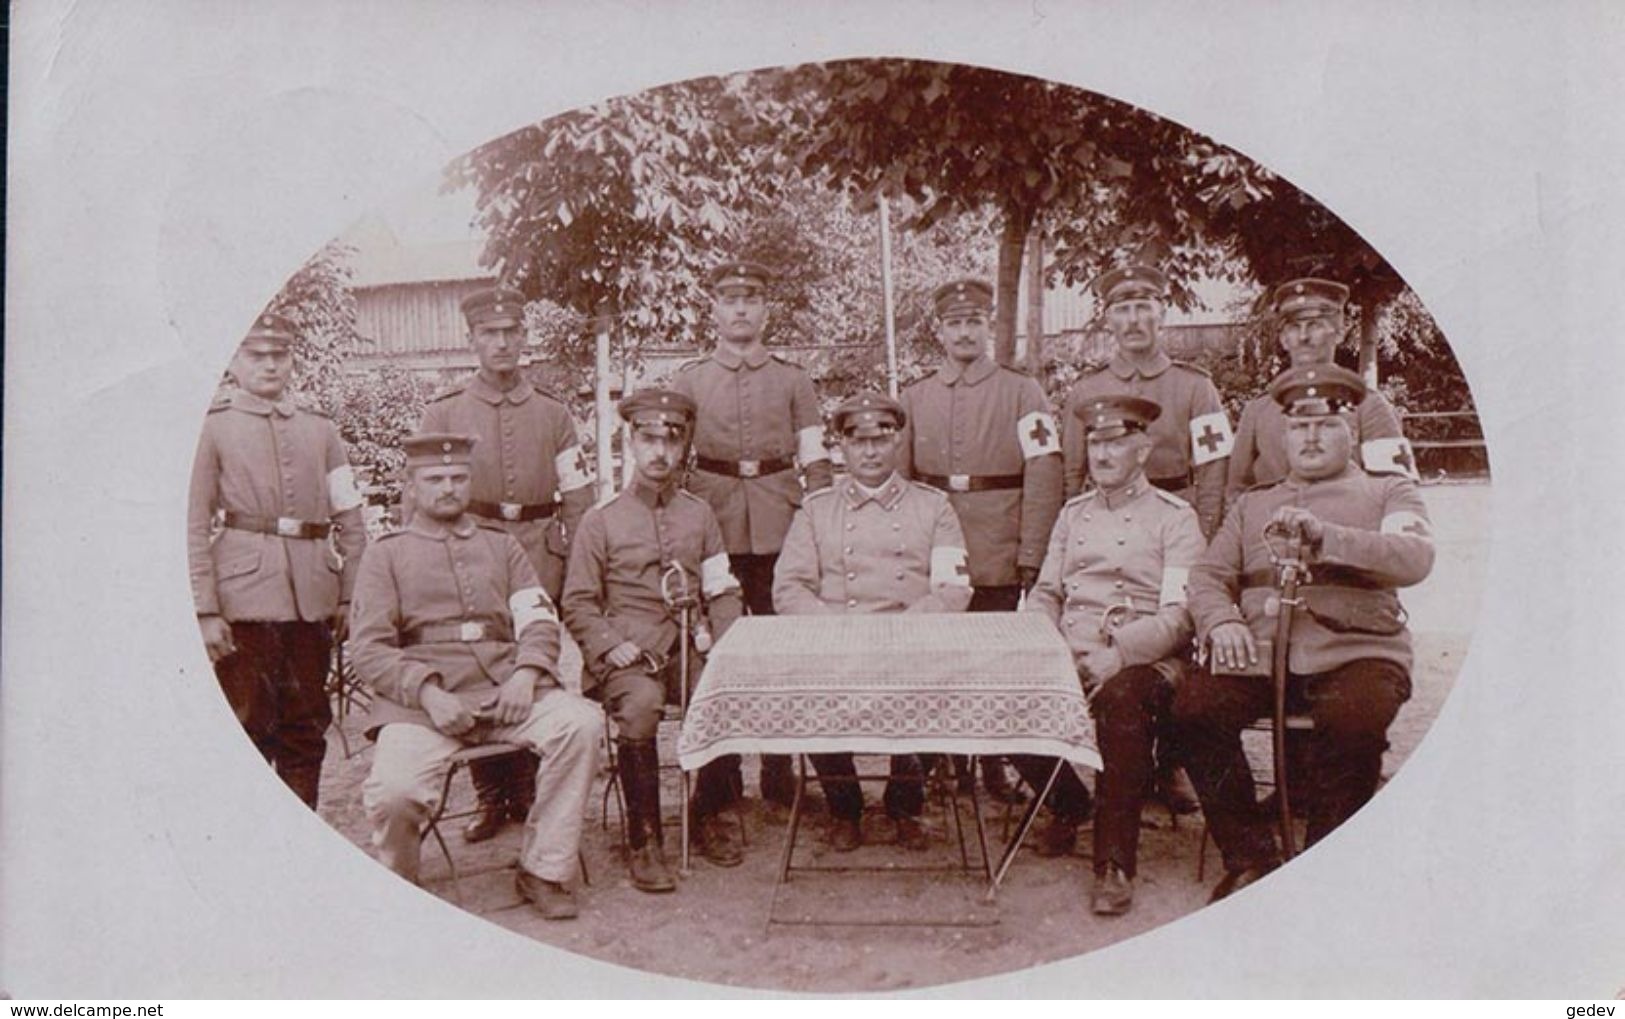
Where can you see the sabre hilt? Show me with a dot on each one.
(677, 590)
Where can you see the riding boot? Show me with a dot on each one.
(640, 778)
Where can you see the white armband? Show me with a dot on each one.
(530, 605)
(716, 576)
(1408, 522)
(1389, 456)
(1211, 438)
(948, 567)
(1173, 585)
(342, 493)
(571, 467)
(1038, 435)
(810, 445)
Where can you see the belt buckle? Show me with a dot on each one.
(288, 527)
(511, 510)
(959, 482)
(469, 632)
(750, 468)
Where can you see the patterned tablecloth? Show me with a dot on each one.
(976, 683)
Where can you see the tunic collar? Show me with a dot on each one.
(242, 399)
(491, 394)
(888, 495)
(1126, 371)
(1130, 493)
(653, 496)
(428, 527)
(731, 359)
(977, 371)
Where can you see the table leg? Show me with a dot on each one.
(1026, 824)
(795, 820)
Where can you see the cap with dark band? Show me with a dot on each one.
(962, 296)
(1129, 282)
(1317, 390)
(1308, 295)
(438, 449)
(657, 411)
(866, 415)
(1116, 415)
(740, 273)
(272, 328)
(497, 304)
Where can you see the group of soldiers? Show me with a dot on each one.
(1140, 525)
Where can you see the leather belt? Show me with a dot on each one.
(1175, 485)
(745, 468)
(512, 511)
(972, 483)
(1319, 576)
(282, 527)
(466, 632)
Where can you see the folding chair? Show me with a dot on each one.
(460, 761)
(1298, 727)
(346, 692)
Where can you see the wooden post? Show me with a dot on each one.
(603, 411)
(886, 295)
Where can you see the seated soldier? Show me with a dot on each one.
(873, 542)
(1349, 653)
(1113, 582)
(460, 646)
(629, 556)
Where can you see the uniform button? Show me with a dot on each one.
(1120, 541)
(1118, 584)
(851, 576)
(897, 527)
(899, 574)
(849, 526)
(849, 550)
(1087, 517)
(851, 603)
(899, 551)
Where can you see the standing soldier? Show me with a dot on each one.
(1309, 315)
(1349, 655)
(758, 418)
(874, 543)
(270, 596)
(984, 434)
(1190, 438)
(1114, 585)
(529, 479)
(460, 646)
(629, 557)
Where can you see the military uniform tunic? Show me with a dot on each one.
(896, 549)
(753, 409)
(271, 461)
(971, 426)
(1115, 577)
(1377, 539)
(528, 454)
(612, 593)
(461, 602)
(1129, 555)
(1191, 436)
(1259, 457)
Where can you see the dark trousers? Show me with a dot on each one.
(1128, 710)
(1352, 707)
(275, 682)
(755, 576)
(905, 786)
(635, 699)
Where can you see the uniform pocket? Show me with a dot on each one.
(1347, 610)
(238, 563)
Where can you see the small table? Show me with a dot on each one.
(987, 683)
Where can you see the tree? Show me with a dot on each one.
(317, 299)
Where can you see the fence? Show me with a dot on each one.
(1447, 443)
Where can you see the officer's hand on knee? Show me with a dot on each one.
(446, 711)
(514, 698)
(1233, 645)
(216, 637)
(623, 654)
(1103, 663)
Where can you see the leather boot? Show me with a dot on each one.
(640, 779)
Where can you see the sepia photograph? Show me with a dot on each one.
(789, 519)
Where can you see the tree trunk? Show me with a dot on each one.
(1017, 222)
(1035, 305)
(1368, 349)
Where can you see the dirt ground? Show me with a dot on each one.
(715, 926)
